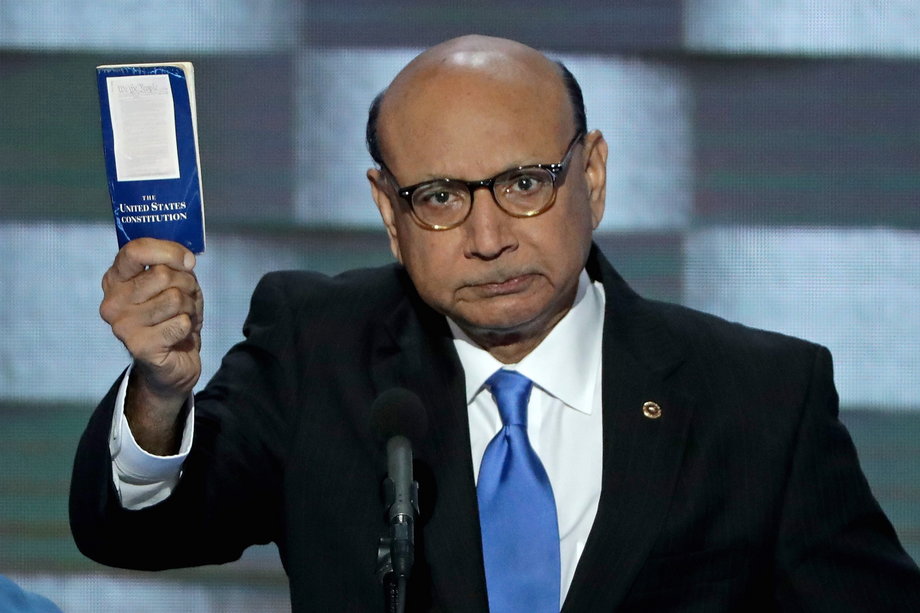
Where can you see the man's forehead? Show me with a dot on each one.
(479, 132)
(471, 105)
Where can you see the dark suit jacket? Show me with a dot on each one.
(745, 495)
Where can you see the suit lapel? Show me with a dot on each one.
(642, 455)
(419, 355)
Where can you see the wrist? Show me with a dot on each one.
(153, 415)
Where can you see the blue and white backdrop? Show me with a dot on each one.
(764, 166)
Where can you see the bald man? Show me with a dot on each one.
(684, 463)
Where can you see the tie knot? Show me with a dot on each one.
(511, 391)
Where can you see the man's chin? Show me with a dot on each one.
(504, 326)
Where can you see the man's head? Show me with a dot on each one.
(572, 88)
(469, 109)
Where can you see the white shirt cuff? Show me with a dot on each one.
(141, 478)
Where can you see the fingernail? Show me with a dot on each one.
(189, 261)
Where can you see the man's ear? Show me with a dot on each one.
(596, 174)
(383, 198)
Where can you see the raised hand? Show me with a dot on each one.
(154, 305)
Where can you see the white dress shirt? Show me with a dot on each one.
(564, 421)
(563, 416)
(143, 479)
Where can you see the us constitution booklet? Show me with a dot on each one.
(150, 142)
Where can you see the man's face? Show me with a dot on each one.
(494, 275)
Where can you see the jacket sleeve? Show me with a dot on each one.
(836, 550)
(228, 495)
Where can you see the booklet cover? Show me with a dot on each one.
(150, 142)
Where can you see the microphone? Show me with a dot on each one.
(399, 419)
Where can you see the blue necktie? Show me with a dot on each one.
(517, 512)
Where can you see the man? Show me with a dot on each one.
(688, 463)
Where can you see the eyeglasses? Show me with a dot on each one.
(524, 191)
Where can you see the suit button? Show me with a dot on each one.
(651, 410)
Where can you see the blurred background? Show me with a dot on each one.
(764, 166)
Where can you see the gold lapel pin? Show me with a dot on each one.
(651, 410)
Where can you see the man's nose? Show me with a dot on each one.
(488, 228)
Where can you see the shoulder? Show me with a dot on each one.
(286, 304)
(651, 327)
(353, 290)
(741, 362)
(712, 334)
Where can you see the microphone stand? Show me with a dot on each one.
(396, 551)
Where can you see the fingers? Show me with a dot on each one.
(141, 253)
(199, 312)
(154, 305)
(159, 289)
(151, 282)
(147, 342)
(157, 306)
(149, 265)
(162, 307)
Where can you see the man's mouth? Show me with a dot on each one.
(503, 286)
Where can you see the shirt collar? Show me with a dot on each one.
(564, 364)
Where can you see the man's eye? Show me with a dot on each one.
(437, 196)
(525, 183)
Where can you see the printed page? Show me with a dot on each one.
(143, 127)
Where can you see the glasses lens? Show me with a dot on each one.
(441, 203)
(525, 191)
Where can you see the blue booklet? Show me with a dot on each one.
(150, 142)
